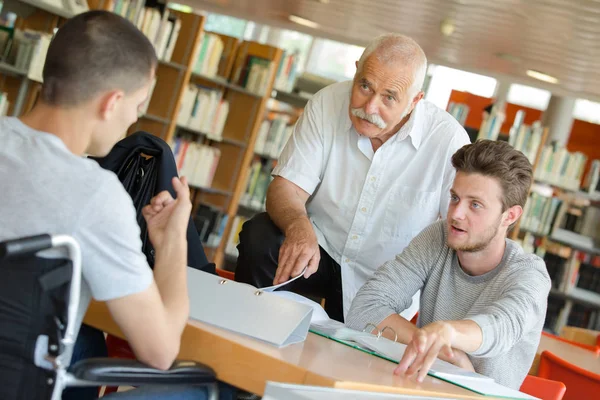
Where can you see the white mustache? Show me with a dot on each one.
(375, 119)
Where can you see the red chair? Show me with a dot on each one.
(580, 383)
(595, 349)
(226, 274)
(544, 389)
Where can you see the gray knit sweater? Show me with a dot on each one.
(508, 303)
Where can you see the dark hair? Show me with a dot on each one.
(499, 160)
(93, 52)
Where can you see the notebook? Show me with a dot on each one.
(390, 350)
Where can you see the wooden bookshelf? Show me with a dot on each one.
(246, 107)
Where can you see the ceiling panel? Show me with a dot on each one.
(501, 38)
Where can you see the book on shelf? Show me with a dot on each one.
(591, 183)
(27, 52)
(586, 317)
(254, 74)
(257, 183)
(129, 9)
(272, 136)
(4, 104)
(459, 111)
(234, 236)
(559, 167)
(539, 213)
(196, 161)
(210, 50)
(287, 71)
(527, 139)
(492, 122)
(210, 223)
(203, 110)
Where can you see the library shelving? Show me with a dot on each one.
(236, 76)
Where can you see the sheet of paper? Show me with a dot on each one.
(272, 288)
(318, 315)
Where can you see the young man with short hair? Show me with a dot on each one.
(97, 75)
(483, 300)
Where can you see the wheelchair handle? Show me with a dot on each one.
(24, 246)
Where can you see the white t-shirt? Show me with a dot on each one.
(366, 206)
(48, 189)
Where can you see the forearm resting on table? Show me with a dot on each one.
(170, 274)
(402, 328)
(286, 203)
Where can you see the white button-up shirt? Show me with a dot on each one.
(367, 206)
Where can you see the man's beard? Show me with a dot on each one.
(488, 235)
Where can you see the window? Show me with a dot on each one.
(586, 110)
(444, 80)
(296, 42)
(528, 96)
(333, 60)
(225, 25)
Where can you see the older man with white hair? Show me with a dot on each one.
(366, 169)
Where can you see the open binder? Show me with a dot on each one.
(393, 351)
(246, 310)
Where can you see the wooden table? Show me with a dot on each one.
(248, 364)
(575, 355)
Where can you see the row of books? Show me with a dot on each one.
(210, 223)
(272, 136)
(26, 50)
(287, 71)
(203, 110)
(490, 128)
(161, 30)
(258, 181)
(209, 54)
(539, 213)
(195, 161)
(560, 168)
(584, 317)
(254, 74)
(589, 275)
(459, 111)
(591, 183)
(525, 138)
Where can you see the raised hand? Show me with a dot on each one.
(168, 216)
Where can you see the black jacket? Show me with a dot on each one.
(145, 165)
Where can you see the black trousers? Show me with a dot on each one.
(260, 240)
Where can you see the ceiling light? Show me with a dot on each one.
(447, 27)
(303, 21)
(541, 76)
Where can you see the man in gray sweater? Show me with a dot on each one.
(483, 300)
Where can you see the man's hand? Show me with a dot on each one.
(299, 249)
(459, 358)
(427, 343)
(166, 216)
